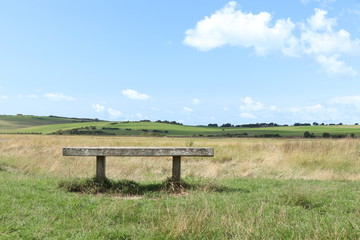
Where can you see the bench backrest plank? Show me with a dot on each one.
(138, 151)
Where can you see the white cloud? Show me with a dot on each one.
(307, 109)
(273, 108)
(305, 1)
(322, 2)
(247, 115)
(155, 108)
(133, 94)
(355, 10)
(114, 113)
(4, 97)
(251, 105)
(59, 97)
(230, 26)
(187, 109)
(98, 108)
(320, 41)
(320, 22)
(316, 37)
(196, 101)
(344, 109)
(28, 96)
(333, 66)
(347, 108)
(347, 100)
(317, 112)
(139, 116)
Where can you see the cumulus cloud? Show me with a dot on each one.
(307, 109)
(333, 66)
(273, 108)
(320, 40)
(133, 94)
(114, 113)
(251, 108)
(316, 112)
(316, 36)
(355, 11)
(187, 109)
(319, 21)
(98, 107)
(59, 97)
(338, 109)
(196, 101)
(250, 105)
(322, 2)
(247, 115)
(28, 96)
(319, 37)
(139, 115)
(230, 26)
(347, 100)
(305, 1)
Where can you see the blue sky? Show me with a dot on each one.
(195, 62)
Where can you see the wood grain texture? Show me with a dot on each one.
(138, 151)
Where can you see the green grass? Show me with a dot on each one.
(49, 125)
(9, 122)
(51, 128)
(34, 207)
(128, 187)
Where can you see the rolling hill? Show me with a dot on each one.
(79, 126)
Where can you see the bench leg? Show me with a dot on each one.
(176, 169)
(100, 168)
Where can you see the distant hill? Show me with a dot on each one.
(81, 126)
(9, 122)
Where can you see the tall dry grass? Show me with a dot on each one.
(324, 159)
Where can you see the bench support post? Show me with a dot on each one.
(100, 168)
(176, 166)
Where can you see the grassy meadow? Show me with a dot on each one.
(252, 188)
(59, 125)
(10, 122)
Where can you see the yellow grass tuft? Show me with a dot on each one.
(323, 159)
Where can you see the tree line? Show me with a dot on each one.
(261, 125)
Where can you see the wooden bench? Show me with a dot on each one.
(175, 152)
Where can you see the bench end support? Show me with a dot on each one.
(176, 175)
(100, 168)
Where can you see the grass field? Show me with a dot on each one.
(251, 189)
(9, 122)
(33, 208)
(50, 125)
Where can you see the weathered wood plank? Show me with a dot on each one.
(138, 151)
(176, 168)
(100, 168)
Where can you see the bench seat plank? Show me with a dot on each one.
(138, 151)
